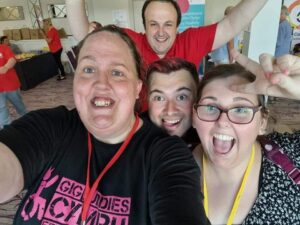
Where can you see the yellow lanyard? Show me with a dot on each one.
(239, 194)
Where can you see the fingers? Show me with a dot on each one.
(266, 62)
(281, 80)
(289, 64)
(251, 88)
(247, 63)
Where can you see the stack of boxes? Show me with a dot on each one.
(27, 34)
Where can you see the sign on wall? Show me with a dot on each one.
(294, 18)
(192, 13)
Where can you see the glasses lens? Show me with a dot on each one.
(208, 112)
(240, 115)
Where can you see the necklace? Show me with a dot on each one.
(90, 191)
(240, 192)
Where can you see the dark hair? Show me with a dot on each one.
(174, 3)
(2, 39)
(119, 32)
(168, 65)
(97, 24)
(224, 71)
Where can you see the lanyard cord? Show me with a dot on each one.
(89, 192)
(240, 192)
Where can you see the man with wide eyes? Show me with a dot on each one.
(172, 85)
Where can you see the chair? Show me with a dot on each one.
(72, 59)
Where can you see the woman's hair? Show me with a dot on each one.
(174, 4)
(47, 21)
(169, 65)
(224, 71)
(2, 39)
(119, 32)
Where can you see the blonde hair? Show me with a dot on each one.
(285, 10)
(47, 21)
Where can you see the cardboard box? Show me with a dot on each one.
(8, 33)
(16, 34)
(34, 33)
(42, 34)
(25, 33)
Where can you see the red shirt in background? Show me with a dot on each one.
(192, 45)
(8, 81)
(55, 43)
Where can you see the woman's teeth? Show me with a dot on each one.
(223, 137)
(102, 103)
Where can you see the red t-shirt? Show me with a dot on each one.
(8, 81)
(55, 43)
(192, 45)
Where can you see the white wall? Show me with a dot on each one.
(214, 9)
(58, 23)
(263, 31)
(102, 11)
(17, 23)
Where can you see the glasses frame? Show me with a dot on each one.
(222, 110)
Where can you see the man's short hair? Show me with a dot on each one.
(174, 3)
(169, 65)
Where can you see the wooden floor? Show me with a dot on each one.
(284, 115)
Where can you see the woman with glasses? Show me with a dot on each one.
(247, 177)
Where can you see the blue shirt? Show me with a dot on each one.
(220, 55)
(284, 38)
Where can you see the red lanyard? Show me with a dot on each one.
(89, 192)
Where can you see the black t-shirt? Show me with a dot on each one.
(190, 137)
(155, 181)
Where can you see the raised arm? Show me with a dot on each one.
(279, 77)
(236, 20)
(77, 18)
(11, 175)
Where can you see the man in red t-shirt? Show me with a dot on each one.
(9, 85)
(161, 19)
(55, 46)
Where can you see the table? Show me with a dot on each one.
(35, 70)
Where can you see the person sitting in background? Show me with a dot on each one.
(15, 49)
(284, 36)
(100, 163)
(246, 179)
(222, 55)
(172, 85)
(55, 46)
(9, 85)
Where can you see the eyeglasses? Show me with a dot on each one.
(237, 115)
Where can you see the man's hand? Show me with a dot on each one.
(3, 69)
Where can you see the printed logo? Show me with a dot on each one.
(65, 207)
